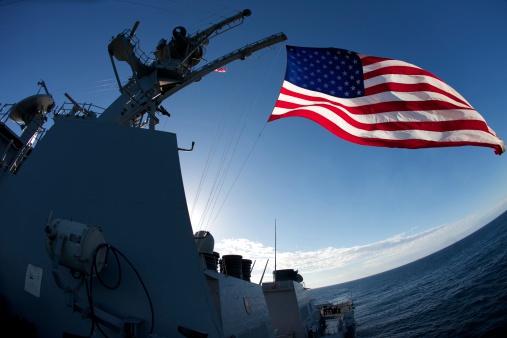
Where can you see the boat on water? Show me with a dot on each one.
(96, 234)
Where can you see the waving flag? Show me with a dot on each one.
(378, 102)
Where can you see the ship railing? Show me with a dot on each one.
(138, 52)
(26, 149)
(4, 116)
(5, 113)
(81, 110)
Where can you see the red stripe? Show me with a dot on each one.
(381, 107)
(369, 60)
(411, 87)
(379, 142)
(398, 70)
(435, 126)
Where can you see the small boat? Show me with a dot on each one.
(337, 319)
(96, 234)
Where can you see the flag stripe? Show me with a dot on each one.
(372, 62)
(405, 79)
(400, 70)
(388, 124)
(393, 125)
(382, 71)
(396, 138)
(375, 104)
(285, 103)
(407, 88)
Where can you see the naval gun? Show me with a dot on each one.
(170, 69)
(190, 49)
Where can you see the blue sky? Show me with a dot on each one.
(343, 211)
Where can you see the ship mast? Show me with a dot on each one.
(171, 69)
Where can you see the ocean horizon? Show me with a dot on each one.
(459, 291)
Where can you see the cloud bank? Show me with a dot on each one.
(328, 266)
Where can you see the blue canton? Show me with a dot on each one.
(332, 71)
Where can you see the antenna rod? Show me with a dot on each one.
(264, 271)
(274, 276)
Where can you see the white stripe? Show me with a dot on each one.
(452, 136)
(387, 63)
(413, 79)
(376, 98)
(396, 116)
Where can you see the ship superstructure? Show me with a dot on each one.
(96, 235)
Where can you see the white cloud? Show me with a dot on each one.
(327, 266)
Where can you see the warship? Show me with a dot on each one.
(96, 234)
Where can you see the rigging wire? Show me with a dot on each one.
(211, 154)
(215, 186)
(151, 6)
(11, 3)
(251, 149)
(211, 220)
(231, 157)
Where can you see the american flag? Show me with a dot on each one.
(221, 70)
(378, 101)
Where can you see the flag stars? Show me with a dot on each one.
(333, 71)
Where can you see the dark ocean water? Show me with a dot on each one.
(460, 291)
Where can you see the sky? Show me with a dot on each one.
(342, 211)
